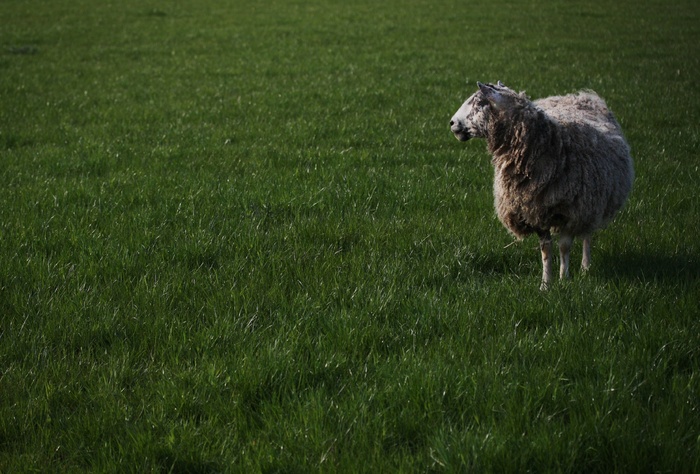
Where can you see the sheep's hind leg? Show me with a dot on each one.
(586, 259)
(564, 252)
(546, 250)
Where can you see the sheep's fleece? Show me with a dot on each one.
(562, 164)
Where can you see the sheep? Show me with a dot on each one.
(562, 165)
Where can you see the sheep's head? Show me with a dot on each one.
(472, 119)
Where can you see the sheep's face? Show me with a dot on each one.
(489, 103)
(471, 120)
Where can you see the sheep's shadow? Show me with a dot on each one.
(639, 266)
(683, 267)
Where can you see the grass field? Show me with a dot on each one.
(239, 236)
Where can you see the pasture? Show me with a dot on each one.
(238, 236)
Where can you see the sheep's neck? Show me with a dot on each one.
(524, 134)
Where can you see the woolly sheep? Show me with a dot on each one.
(562, 165)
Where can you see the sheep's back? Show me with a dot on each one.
(584, 108)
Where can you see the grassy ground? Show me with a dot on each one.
(239, 236)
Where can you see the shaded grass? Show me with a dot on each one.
(237, 238)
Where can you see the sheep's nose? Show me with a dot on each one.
(452, 122)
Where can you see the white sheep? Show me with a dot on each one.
(562, 165)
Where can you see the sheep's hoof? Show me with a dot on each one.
(544, 286)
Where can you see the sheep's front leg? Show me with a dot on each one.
(586, 260)
(546, 249)
(564, 252)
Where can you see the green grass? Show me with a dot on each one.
(239, 237)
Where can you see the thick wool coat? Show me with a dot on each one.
(562, 164)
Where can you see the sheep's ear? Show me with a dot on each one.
(485, 88)
(492, 95)
(500, 84)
